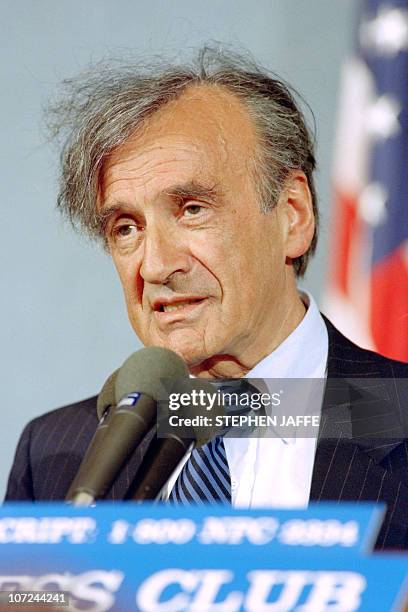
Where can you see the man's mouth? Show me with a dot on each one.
(177, 310)
(178, 305)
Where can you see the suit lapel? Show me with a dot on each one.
(360, 429)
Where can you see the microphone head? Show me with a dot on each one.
(144, 371)
(106, 397)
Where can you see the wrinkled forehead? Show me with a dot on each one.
(206, 133)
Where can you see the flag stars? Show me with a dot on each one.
(372, 204)
(382, 117)
(387, 33)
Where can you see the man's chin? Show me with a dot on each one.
(192, 353)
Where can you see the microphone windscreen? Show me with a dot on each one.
(144, 371)
(106, 397)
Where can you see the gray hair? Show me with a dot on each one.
(102, 108)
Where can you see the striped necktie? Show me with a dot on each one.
(205, 476)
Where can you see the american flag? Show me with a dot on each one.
(367, 294)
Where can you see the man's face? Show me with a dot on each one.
(203, 270)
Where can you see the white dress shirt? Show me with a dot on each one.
(277, 472)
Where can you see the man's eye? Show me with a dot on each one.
(124, 231)
(192, 209)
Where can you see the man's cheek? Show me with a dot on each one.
(139, 319)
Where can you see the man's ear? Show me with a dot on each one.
(296, 210)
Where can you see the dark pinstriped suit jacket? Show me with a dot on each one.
(362, 452)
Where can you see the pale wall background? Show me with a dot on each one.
(64, 327)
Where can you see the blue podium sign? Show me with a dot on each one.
(163, 558)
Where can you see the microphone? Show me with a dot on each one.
(159, 463)
(165, 453)
(137, 387)
(105, 405)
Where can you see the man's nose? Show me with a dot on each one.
(163, 255)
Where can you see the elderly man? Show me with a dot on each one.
(199, 181)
